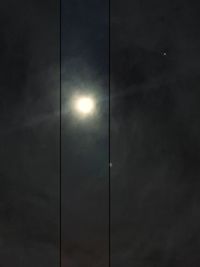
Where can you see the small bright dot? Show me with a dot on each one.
(85, 105)
(164, 54)
(110, 164)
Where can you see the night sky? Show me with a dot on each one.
(29, 150)
(84, 154)
(154, 133)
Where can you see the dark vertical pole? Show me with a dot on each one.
(60, 105)
(109, 136)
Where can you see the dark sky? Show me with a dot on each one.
(155, 219)
(29, 150)
(155, 175)
(30, 134)
(85, 144)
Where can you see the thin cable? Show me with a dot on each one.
(60, 143)
(109, 113)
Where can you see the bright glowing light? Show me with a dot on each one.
(84, 105)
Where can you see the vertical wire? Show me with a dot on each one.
(109, 114)
(60, 143)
